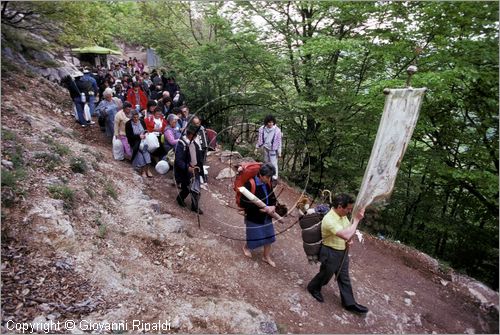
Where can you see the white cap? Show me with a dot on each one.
(77, 74)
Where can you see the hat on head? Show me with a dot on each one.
(76, 74)
(192, 129)
(85, 70)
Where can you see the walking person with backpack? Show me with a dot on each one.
(188, 168)
(337, 232)
(71, 84)
(269, 140)
(91, 90)
(258, 222)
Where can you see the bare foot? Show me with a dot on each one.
(269, 261)
(143, 174)
(247, 252)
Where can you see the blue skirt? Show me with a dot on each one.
(259, 234)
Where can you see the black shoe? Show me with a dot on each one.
(199, 211)
(180, 201)
(316, 294)
(357, 308)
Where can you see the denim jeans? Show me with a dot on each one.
(80, 110)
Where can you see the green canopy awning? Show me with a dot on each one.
(96, 50)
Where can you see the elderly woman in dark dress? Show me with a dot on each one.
(259, 225)
(136, 133)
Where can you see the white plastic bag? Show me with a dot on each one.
(162, 167)
(86, 113)
(118, 152)
(141, 146)
(152, 142)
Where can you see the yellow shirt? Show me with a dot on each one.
(331, 224)
(120, 120)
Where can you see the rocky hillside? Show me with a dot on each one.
(86, 238)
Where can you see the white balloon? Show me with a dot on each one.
(162, 167)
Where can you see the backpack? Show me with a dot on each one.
(85, 86)
(246, 172)
(311, 234)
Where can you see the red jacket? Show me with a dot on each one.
(143, 98)
(150, 124)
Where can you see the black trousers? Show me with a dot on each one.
(185, 191)
(330, 261)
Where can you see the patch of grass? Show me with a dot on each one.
(47, 139)
(47, 63)
(244, 150)
(78, 165)
(21, 41)
(61, 149)
(50, 160)
(444, 266)
(10, 178)
(30, 74)
(58, 130)
(11, 189)
(8, 135)
(111, 191)
(64, 193)
(15, 155)
(102, 231)
(8, 67)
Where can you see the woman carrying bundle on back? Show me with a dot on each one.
(259, 224)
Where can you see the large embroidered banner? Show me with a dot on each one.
(401, 110)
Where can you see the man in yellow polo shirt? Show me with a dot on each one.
(336, 232)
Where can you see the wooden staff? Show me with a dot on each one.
(250, 196)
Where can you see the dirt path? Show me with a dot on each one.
(402, 292)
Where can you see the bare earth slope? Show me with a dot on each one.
(122, 249)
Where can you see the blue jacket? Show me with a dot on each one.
(88, 77)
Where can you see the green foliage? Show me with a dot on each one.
(78, 165)
(111, 191)
(64, 193)
(59, 148)
(8, 135)
(102, 231)
(50, 160)
(11, 178)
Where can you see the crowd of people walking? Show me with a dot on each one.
(146, 116)
(149, 121)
